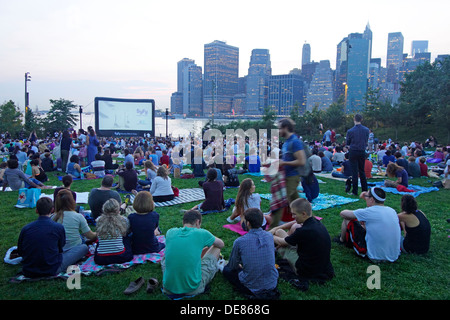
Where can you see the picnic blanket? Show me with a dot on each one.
(236, 227)
(185, 196)
(418, 190)
(82, 197)
(255, 174)
(61, 177)
(323, 201)
(89, 267)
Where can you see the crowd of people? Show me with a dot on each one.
(60, 236)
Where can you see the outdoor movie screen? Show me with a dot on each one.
(124, 117)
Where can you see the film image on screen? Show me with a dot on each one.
(124, 117)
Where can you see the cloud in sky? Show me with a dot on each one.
(82, 49)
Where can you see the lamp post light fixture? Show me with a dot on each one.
(27, 96)
(167, 122)
(80, 110)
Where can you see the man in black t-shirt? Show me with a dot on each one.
(307, 249)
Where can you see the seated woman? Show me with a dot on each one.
(72, 221)
(346, 169)
(37, 172)
(161, 188)
(138, 156)
(395, 171)
(73, 168)
(109, 165)
(114, 246)
(247, 198)
(47, 162)
(388, 158)
(219, 174)
(213, 193)
(144, 225)
(415, 225)
(128, 178)
(150, 173)
(98, 166)
(338, 157)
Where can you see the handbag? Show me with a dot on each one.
(28, 197)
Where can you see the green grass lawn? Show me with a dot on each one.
(411, 277)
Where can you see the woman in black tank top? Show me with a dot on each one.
(416, 227)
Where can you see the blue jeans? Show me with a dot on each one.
(339, 175)
(35, 181)
(144, 183)
(72, 255)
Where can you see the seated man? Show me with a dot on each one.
(373, 231)
(251, 268)
(41, 245)
(308, 248)
(128, 178)
(191, 257)
(253, 162)
(67, 181)
(327, 166)
(98, 196)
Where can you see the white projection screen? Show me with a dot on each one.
(124, 117)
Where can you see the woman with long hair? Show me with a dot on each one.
(393, 170)
(92, 144)
(245, 199)
(150, 173)
(114, 246)
(72, 221)
(213, 190)
(161, 188)
(415, 226)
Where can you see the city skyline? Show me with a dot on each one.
(75, 60)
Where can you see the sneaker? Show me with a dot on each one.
(221, 264)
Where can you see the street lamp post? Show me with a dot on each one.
(81, 120)
(27, 96)
(167, 122)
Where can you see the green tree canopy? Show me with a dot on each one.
(10, 118)
(60, 116)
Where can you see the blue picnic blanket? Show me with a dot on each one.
(323, 201)
(418, 189)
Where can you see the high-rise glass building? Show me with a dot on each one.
(368, 35)
(320, 92)
(375, 73)
(181, 65)
(285, 92)
(340, 74)
(192, 90)
(221, 74)
(419, 46)
(394, 56)
(306, 54)
(259, 72)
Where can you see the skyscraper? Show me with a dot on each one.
(419, 46)
(306, 54)
(341, 69)
(192, 90)
(374, 73)
(357, 71)
(181, 65)
(257, 82)
(394, 55)
(285, 92)
(368, 35)
(221, 76)
(320, 92)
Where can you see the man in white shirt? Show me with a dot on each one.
(316, 162)
(379, 233)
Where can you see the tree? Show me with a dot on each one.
(32, 123)
(334, 116)
(10, 118)
(60, 117)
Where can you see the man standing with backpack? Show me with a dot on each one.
(357, 139)
(294, 158)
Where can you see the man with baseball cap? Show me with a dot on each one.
(374, 231)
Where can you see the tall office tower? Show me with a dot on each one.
(368, 35)
(394, 56)
(419, 46)
(176, 103)
(192, 90)
(320, 92)
(257, 82)
(285, 92)
(374, 73)
(181, 65)
(306, 54)
(221, 74)
(242, 85)
(410, 64)
(441, 57)
(340, 74)
(308, 71)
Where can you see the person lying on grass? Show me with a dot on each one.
(307, 246)
(373, 231)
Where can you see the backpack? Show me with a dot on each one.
(355, 237)
(305, 170)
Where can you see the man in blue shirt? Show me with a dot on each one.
(251, 268)
(253, 162)
(293, 155)
(357, 138)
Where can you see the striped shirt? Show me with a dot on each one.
(109, 247)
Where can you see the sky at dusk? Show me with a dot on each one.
(80, 49)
